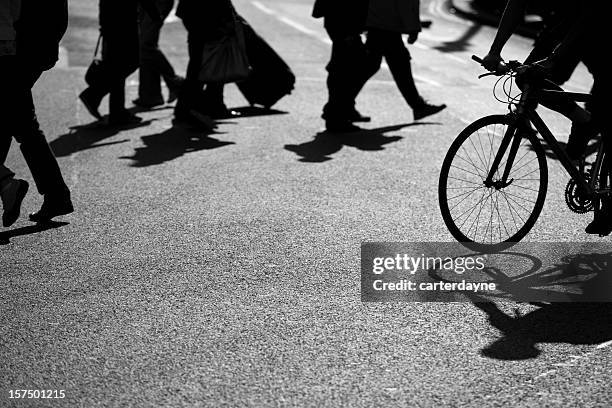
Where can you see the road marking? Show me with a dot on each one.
(604, 345)
(436, 8)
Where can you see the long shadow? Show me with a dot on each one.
(587, 320)
(462, 43)
(171, 144)
(253, 111)
(89, 136)
(5, 236)
(326, 144)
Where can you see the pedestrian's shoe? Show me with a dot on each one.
(341, 126)
(579, 138)
(12, 195)
(147, 104)
(174, 87)
(92, 103)
(426, 109)
(53, 206)
(356, 116)
(123, 118)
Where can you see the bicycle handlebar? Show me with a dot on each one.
(502, 69)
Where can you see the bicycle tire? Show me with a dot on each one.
(524, 225)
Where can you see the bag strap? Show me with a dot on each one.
(98, 44)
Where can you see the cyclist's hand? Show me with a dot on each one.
(412, 37)
(492, 62)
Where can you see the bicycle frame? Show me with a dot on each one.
(525, 113)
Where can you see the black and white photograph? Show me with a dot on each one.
(305, 203)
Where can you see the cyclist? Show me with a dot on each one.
(584, 29)
(549, 38)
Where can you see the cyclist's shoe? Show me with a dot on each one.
(602, 222)
(579, 138)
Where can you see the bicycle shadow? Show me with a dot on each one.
(584, 318)
(326, 144)
(5, 236)
(172, 144)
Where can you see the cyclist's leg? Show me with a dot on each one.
(602, 88)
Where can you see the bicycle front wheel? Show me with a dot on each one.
(492, 217)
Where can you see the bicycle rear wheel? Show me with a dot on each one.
(492, 218)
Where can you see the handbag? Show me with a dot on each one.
(225, 60)
(96, 72)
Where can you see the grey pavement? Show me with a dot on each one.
(223, 269)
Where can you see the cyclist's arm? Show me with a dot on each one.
(513, 15)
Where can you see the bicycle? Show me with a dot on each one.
(494, 177)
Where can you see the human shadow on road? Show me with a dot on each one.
(90, 136)
(586, 319)
(171, 144)
(462, 43)
(325, 144)
(5, 236)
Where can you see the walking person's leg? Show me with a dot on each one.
(348, 70)
(12, 190)
(153, 62)
(399, 61)
(190, 103)
(37, 153)
(121, 53)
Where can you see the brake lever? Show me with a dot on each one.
(487, 74)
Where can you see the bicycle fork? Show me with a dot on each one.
(511, 138)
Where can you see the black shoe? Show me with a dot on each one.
(578, 139)
(426, 110)
(193, 119)
(91, 103)
(12, 196)
(174, 87)
(142, 103)
(355, 116)
(341, 126)
(124, 118)
(52, 207)
(601, 226)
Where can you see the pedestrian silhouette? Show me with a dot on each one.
(120, 45)
(24, 54)
(153, 63)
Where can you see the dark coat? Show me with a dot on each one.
(40, 29)
(350, 15)
(206, 12)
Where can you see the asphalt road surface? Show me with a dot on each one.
(223, 270)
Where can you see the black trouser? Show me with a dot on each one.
(119, 25)
(153, 62)
(191, 95)
(349, 68)
(388, 44)
(19, 121)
